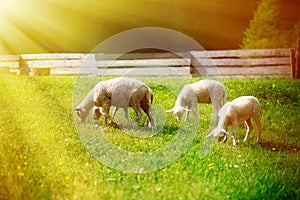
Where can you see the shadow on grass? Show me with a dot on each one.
(279, 146)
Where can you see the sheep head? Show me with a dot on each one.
(81, 113)
(219, 133)
(178, 111)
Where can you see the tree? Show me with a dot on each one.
(275, 24)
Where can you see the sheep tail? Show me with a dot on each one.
(224, 99)
(149, 96)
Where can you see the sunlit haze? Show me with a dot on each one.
(34, 26)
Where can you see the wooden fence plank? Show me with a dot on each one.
(254, 71)
(135, 56)
(108, 63)
(9, 58)
(9, 64)
(241, 62)
(282, 72)
(54, 63)
(141, 71)
(54, 56)
(137, 71)
(145, 62)
(242, 53)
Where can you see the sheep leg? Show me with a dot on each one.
(112, 120)
(225, 136)
(216, 108)
(195, 108)
(234, 126)
(148, 111)
(146, 106)
(126, 115)
(96, 113)
(138, 113)
(257, 120)
(115, 110)
(249, 129)
(186, 115)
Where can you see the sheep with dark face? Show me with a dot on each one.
(204, 91)
(240, 109)
(121, 93)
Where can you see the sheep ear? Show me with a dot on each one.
(78, 111)
(210, 134)
(226, 133)
(172, 110)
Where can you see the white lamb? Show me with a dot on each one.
(240, 109)
(204, 91)
(119, 92)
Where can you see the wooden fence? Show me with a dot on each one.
(275, 63)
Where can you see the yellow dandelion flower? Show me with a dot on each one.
(210, 164)
(21, 174)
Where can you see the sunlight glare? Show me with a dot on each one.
(6, 6)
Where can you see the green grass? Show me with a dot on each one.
(42, 155)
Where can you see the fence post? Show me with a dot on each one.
(196, 68)
(23, 66)
(297, 66)
(293, 62)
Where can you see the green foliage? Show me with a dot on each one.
(275, 25)
(42, 156)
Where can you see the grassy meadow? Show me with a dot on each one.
(45, 152)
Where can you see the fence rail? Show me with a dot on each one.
(243, 63)
(278, 63)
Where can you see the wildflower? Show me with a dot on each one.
(141, 170)
(210, 164)
(236, 166)
(274, 149)
(21, 174)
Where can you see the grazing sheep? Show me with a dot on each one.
(240, 109)
(123, 93)
(204, 91)
(119, 92)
